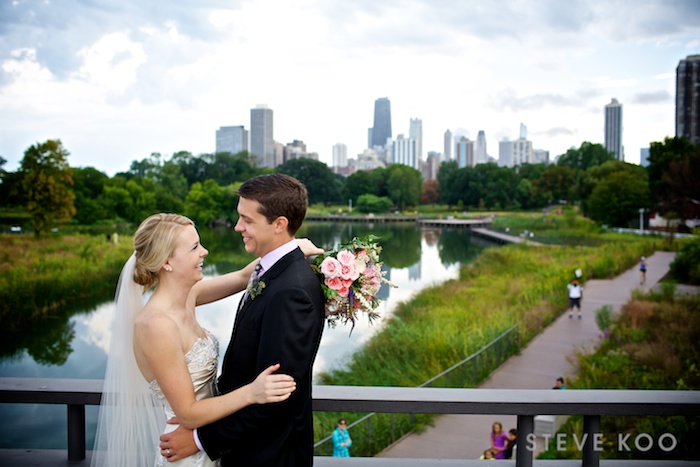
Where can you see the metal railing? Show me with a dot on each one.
(525, 404)
(466, 373)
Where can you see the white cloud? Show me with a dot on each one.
(120, 80)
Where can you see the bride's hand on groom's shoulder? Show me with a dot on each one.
(269, 387)
(308, 248)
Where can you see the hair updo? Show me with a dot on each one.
(154, 244)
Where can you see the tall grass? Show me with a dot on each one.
(38, 277)
(515, 284)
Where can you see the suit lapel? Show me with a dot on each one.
(244, 307)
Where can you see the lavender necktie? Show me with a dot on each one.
(252, 283)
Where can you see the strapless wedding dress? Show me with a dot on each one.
(202, 361)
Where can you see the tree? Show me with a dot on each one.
(226, 168)
(590, 178)
(447, 174)
(585, 157)
(360, 183)
(431, 191)
(10, 187)
(319, 179)
(674, 177)
(88, 188)
(46, 181)
(555, 184)
(617, 198)
(203, 202)
(193, 168)
(404, 185)
(117, 199)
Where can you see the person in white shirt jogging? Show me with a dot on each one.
(575, 293)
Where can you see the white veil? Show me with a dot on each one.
(130, 422)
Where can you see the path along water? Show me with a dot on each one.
(546, 357)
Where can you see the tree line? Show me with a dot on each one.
(203, 187)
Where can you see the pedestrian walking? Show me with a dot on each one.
(575, 294)
(642, 270)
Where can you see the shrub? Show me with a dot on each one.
(372, 203)
(685, 268)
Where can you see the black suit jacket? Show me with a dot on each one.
(282, 324)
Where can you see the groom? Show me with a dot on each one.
(280, 321)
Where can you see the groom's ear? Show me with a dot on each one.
(280, 224)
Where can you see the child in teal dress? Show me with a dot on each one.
(341, 440)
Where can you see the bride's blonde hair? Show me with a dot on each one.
(154, 244)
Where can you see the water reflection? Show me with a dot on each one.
(76, 346)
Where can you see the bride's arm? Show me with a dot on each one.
(157, 342)
(211, 290)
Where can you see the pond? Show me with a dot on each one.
(414, 258)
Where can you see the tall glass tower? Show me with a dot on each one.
(481, 157)
(232, 139)
(382, 122)
(688, 99)
(262, 144)
(613, 129)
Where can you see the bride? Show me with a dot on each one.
(162, 363)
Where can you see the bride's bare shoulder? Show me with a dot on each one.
(154, 320)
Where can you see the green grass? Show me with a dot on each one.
(38, 277)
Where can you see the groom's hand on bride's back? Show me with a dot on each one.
(179, 444)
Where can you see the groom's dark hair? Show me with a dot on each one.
(279, 195)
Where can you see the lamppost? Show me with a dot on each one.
(641, 219)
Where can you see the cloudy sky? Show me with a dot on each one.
(117, 80)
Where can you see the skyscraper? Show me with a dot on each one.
(415, 132)
(505, 153)
(262, 144)
(233, 139)
(381, 130)
(613, 129)
(403, 151)
(340, 155)
(464, 152)
(448, 145)
(688, 99)
(481, 157)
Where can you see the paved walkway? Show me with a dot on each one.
(545, 358)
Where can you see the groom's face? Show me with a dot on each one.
(258, 235)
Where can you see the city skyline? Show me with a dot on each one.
(117, 81)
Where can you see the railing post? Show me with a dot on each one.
(76, 432)
(591, 430)
(526, 427)
(393, 438)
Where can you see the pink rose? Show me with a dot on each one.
(346, 258)
(349, 272)
(334, 283)
(343, 291)
(371, 272)
(330, 267)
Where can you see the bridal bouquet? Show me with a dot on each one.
(351, 277)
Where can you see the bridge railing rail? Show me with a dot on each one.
(525, 404)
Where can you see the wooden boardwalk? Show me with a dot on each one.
(371, 218)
